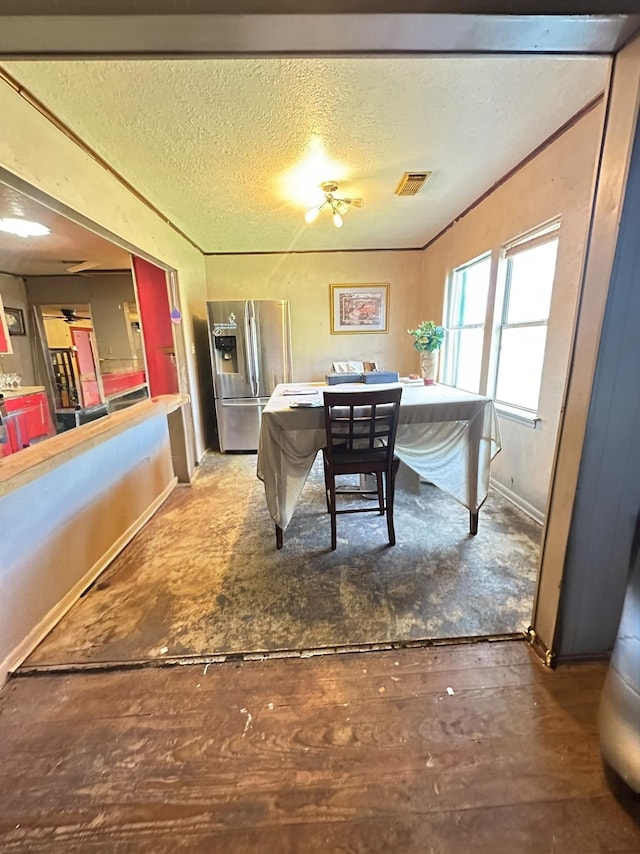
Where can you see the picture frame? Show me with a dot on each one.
(15, 321)
(359, 308)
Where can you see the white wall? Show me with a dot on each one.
(558, 182)
(12, 290)
(305, 280)
(35, 151)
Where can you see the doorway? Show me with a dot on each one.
(83, 345)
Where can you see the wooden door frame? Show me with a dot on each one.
(181, 429)
(96, 359)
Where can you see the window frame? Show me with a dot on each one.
(450, 361)
(543, 234)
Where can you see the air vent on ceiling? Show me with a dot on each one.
(411, 182)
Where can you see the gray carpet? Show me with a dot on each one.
(204, 576)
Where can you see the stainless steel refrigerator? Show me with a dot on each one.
(250, 343)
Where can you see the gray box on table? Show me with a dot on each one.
(380, 377)
(336, 379)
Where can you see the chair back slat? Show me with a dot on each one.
(361, 422)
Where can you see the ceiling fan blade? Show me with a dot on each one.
(84, 265)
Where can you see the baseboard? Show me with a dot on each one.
(26, 647)
(520, 503)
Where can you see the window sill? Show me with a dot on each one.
(520, 417)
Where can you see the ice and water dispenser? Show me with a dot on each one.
(226, 353)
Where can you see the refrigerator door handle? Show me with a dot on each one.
(256, 353)
(249, 337)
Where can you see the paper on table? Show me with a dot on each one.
(305, 404)
(299, 391)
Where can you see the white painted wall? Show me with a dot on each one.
(12, 291)
(35, 151)
(305, 280)
(558, 181)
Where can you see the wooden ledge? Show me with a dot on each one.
(25, 466)
(9, 394)
(172, 401)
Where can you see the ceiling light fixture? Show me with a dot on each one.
(339, 207)
(23, 227)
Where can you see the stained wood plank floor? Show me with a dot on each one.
(469, 748)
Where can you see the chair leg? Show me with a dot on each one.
(331, 494)
(391, 488)
(380, 492)
(326, 485)
(278, 537)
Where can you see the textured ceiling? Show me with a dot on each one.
(68, 244)
(223, 147)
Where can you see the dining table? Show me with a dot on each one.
(447, 436)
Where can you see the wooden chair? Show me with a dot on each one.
(361, 433)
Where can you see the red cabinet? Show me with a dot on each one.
(122, 381)
(29, 419)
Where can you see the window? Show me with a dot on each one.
(465, 320)
(522, 332)
(505, 362)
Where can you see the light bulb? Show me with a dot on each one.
(312, 215)
(337, 219)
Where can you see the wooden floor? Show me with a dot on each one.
(472, 748)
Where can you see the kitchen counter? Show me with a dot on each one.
(20, 392)
(26, 417)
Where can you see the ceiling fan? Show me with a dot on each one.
(339, 207)
(69, 315)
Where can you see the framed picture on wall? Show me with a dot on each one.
(359, 308)
(15, 321)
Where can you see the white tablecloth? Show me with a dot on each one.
(447, 436)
